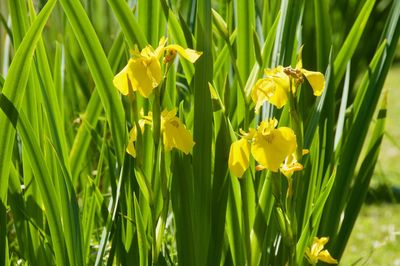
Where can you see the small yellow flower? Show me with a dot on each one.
(143, 71)
(290, 166)
(174, 132)
(317, 252)
(272, 145)
(275, 87)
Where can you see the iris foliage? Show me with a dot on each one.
(189, 132)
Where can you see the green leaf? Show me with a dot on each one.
(141, 234)
(323, 33)
(351, 42)
(202, 134)
(101, 72)
(130, 27)
(17, 78)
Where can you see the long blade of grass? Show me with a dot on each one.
(362, 181)
(202, 134)
(17, 78)
(323, 32)
(45, 183)
(130, 26)
(351, 42)
(101, 71)
(82, 139)
(245, 25)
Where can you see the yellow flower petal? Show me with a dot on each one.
(271, 146)
(317, 252)
(121, 81)
(239, 155)
(154, 71)
(326, 257)
(175, 134)
(144, 76)
(267, 90)
(316, 80)
(279, 77)
(131, 143)
(189, 54)
(290, 166)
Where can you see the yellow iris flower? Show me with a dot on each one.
(270, 146)
(143, 71)
(317, 252)
(275, 87)
(174, 132)
(290, 166)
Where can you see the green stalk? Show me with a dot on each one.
(201, 209)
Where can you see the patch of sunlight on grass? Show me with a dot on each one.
(388, 169)
(375, 239)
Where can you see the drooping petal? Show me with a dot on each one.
(239, 156)
(120, 81)
(271, 146)
(326, 257)
(175, 134)
(189, 54)
(267, 89)
(131, 143)
(154, 71)
(140, 76)
(316, 80)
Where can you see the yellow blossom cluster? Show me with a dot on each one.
(273, 148)
(143, 73)
(175, 134)
(279, 81)
(270, 146)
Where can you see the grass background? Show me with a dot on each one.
(375, 239)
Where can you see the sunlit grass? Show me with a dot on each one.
(376, 235)
(375, 239)
(388, 166)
